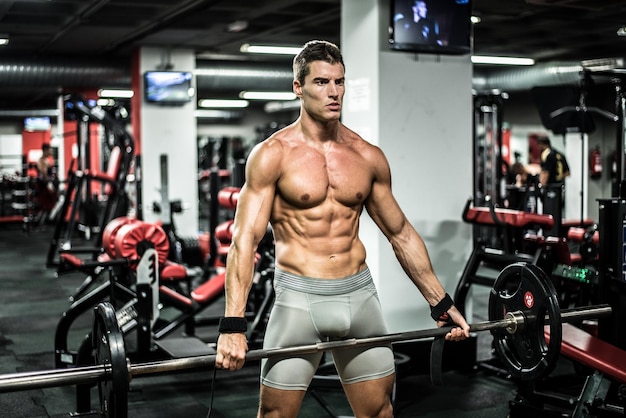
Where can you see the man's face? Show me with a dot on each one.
(420, 9)
(322, 91)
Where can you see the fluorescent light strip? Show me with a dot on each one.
(102, 102)
(267, 49)
(477, 59)
(222, 103)
(216, 114)
(267, 95)
(120, 94)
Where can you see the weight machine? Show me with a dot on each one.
(93, 197)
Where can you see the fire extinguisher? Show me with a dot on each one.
(595, 163)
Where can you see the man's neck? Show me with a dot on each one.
(316, 130)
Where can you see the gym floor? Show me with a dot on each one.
(32, 300)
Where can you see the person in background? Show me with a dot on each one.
(554, 167)
(46, 179)
(417, 27)
(554, 171)
(44, 165)
(311, 181)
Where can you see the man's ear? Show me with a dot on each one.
(297, 88)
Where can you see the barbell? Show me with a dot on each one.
(522, 304)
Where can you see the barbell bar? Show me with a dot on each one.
(512, 322)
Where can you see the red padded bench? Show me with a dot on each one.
(591, 351)
(228, 197)
(11, 219)
(510, 217)
(577, 223)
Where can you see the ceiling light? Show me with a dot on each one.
(116, 93)
(267, 49)
(237, 26)
(105, 102)
(476, 59)
(271, 107)
(602, 64)
(4, 39)
(267, 95)
(475, 19)
(222, 103)
(217, 114)
(621, 31)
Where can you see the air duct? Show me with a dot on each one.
(233, 75)
(521, 79)
(229, 76)
(47, 73)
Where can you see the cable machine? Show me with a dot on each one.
(489, 176)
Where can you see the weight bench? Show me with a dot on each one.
(518, 246)
(607, 361)
(587, 349)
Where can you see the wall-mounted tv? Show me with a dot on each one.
(41, 123)
(168, 87)
(431, 26)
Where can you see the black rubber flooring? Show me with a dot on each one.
(32, 300)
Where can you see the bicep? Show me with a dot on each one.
(253, 213)
(381, 204)
(257, 196)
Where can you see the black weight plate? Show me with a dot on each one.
(526, 288)
(108, 341)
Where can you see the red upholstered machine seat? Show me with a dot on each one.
(228, 197)
(578, 235)
(11, 219)
(78, 263)
(173, 271)
(210, 289)
(224, 235)
(591, 351)
(510, 217)
(577, 223)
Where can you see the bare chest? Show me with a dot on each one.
(312, 178)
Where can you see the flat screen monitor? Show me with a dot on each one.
(168, 87)
(431, 26)
(41, 123)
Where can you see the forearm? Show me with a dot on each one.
(412, 254)
(239, 275)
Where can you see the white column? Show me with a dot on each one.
(170, 130)
(418, 109)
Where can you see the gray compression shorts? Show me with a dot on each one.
(308, 310)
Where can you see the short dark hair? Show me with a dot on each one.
(45, 146)
(315, 51)
(543, 140)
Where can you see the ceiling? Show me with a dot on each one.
(56, 45)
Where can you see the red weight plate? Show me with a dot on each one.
(132, 239)
(110, 230)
